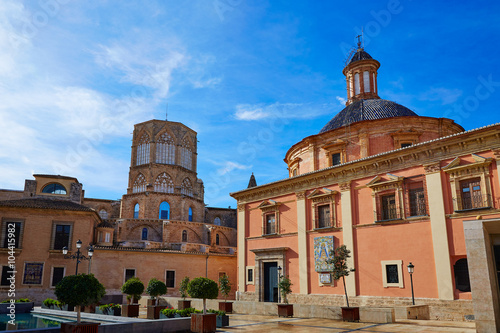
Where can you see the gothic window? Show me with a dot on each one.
(139, 184)
(184, 236)
(143, 150)
(54, 188)
(187, 188)
(190, 214)
(217, 221)
(136, 211)
(217, 239)
(144, 235)
(165, 149)
(366, 81)
(164, 213)
(164, 183)
(103, 214)
(186, 154)
(461, 270)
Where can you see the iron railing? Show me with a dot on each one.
(471, 202)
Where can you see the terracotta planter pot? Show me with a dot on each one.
(226, 307)
(285, 310)
(203, 323)
(130, 310)
(154, 311)
(350, 314)
(151, 301)
(181, 305)
(77, 328)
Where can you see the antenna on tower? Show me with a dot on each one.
(166, 112)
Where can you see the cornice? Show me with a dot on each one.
(422, 154)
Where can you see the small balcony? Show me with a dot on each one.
(472, 202)
(388, 214)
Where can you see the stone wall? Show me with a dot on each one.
(227, 216)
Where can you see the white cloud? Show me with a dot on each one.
(229, 166)
(250, 112)
(282, 110)
(444, 95)
(341, 100)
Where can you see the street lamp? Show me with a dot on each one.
(410, 270)
(78, 255)
(279, 280)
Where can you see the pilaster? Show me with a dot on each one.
(302, 243)
(348, 238)
(241, 247)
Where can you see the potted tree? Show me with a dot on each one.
(203, 288)
(341, 270)
(133, 287)
(79, 290)
(155, 288)
(285, 288)
(181, 305)
(225, 289)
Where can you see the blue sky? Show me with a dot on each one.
(251, 77)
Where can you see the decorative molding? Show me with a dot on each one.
(241, 207)
(301, 195)
(432, 168)
(346, 186)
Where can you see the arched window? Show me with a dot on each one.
(217, 240)
(164, 211)
(143, 150)
(190, 214)
(165, 149)
(186, 154)
(136, 211)
(144, 233)
(461, 269)
(103, 214)
(217, 221)
(139, 184)
(54, 188)
(184, 236)
(366, 81)
(187, 188)
(164, 183)
(357, 87)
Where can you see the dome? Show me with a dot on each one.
(360, 55)
(367, 109)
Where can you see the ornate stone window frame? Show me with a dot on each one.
(270, 207)
(320, 197)
(262, 256)
(381, 188)
(401, 137)
(247, 274)
(399, 265)
(459, 172)
(294, 167)
(338, 146)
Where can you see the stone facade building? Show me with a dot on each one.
(161, 227)
(395, 188)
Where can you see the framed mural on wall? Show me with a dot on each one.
(322, 247)
(33, 273)
(325, 278)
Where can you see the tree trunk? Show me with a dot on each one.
(204, 306)
(78, 315)
(345, 291)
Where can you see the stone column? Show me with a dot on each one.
(241, 248)
(348, 238)
(497, 158)
(302, 243)
(439, 232)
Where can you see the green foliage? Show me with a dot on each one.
(170, 313)
(203, 288)
(217, 312)
(21, 300)
(285, 287)
(183, 287)
(110, 306)
(79, 290)
(339, 261)
(133, 287)
(156, 288)
(224, 286)
(51, 302)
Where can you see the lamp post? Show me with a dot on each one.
(410, 270)
(78, 255)
(279, 280)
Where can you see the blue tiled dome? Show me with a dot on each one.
(367, 109)
(360, 55)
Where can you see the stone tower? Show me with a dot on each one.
(163, 181)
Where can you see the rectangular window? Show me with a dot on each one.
(170, 279)
(129, 273)
(270, 224)
(392, 273)
(336, 159)
(62, 235)
(12, 234)
(417, 202)
(5, 276)
(57, 275)
(107, 237)
(471, 194)
(250, 275)
(323, 216)
(366, 80)
(389, 211)
(404, 145)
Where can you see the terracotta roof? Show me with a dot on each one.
(367, 109)
(44, 203)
